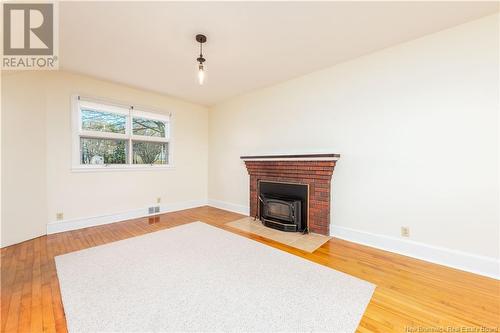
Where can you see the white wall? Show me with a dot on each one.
(417, 128)
(24, 202)
(37, 177)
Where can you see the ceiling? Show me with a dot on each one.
(151, 45)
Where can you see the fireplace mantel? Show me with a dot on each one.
(293, 157)
(314, 170)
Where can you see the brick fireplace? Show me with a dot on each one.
(313, 170)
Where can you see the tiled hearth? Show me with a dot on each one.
(314, 170)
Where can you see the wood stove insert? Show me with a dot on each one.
(284, 206)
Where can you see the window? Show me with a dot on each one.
(111, 136)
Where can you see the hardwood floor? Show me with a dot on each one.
(410, 294)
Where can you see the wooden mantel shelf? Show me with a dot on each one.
(294, 157)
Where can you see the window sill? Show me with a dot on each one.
(121, 168)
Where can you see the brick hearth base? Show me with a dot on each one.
(316, 174)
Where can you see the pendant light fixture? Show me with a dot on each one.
(201, 70)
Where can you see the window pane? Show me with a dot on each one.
(103, 151)
(148, 127)
(150, 152)
(93, 120)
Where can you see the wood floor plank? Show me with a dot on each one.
(14, 304)
(48, 322)
(36, 323)
(410, 293)
(25, 310)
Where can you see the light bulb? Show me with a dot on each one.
(201, 74)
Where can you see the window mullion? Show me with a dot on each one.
(148, 138)
(102, 135)
(130, 152)
(129, 133)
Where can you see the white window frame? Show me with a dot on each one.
(130, 112)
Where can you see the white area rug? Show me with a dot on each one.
(196, 277)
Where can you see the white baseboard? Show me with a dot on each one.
(79, 223)
(481, 265)
(236, 208)
(439, 255)
(173, 207)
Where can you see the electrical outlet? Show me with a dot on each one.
(154, 210)
(158, 200)
(405, 231)
(59, 216)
